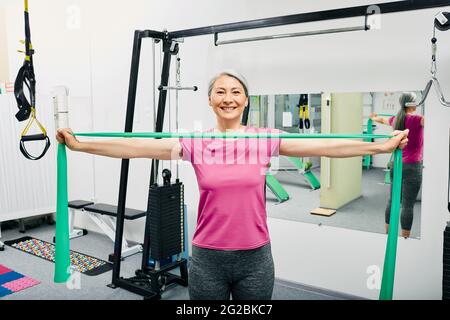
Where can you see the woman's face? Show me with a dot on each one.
(228, 98)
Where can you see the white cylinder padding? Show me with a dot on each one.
(61, 106)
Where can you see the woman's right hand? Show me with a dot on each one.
(373, 115)
(65, 136)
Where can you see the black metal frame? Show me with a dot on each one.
(169, 49)
(360, 11)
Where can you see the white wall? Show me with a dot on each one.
(4, 72)
(94, 61)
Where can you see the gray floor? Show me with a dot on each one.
(364, 214)
(95, 287)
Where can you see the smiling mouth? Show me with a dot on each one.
(228, 108)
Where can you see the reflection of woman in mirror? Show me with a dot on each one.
(412, 158)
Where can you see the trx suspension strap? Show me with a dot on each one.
(27, 108)
(300, 110)
(303, 112)
(306, 112)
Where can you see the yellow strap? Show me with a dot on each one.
(30, 122)
(26, 5)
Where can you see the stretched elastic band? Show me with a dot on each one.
(62, 249)
(230, 135)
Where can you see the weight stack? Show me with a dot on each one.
(446, 268)
(166, 214)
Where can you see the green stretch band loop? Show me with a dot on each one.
(62, 250)
(229, 135)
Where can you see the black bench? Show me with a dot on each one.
(110, 210)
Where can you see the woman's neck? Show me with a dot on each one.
(224, 126)
(409, 110)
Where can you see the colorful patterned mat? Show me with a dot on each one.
(82, 263)
(11, 281)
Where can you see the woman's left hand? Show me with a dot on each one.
(399, 140)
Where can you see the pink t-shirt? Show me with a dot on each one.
(231, 180)
(413, 152)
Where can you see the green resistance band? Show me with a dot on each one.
(62, 249)
(386, 115)
(387, 282)
(62, 245)
(228, 135)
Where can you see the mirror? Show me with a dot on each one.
(347, 193)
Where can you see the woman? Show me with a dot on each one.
(231, 251)
(412, 158)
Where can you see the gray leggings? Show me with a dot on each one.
(245, 274)
(411, 182)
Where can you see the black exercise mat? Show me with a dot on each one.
(83, 263)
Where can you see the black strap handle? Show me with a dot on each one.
(34, 137)
(307, 123)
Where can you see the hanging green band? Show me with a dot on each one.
(62, 245)
(387, 283)
(62, 250)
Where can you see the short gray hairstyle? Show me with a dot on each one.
(230, 73)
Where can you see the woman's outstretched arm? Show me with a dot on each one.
(339, 148)
(381, 120)
(124, 148)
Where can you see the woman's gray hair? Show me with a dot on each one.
(230, 73)
(407, 97)
(400, 118)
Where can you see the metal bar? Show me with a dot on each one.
(290, 35)
(125, 162)
(424, 96)
(135, 288)
(388, 7)
(194, 88)
(162, 102)
(438, 89)
(152, 34)
(158, 128)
